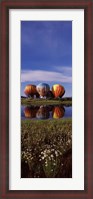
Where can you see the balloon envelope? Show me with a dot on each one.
(42, 89)
(30, 112)
(42, 113)
(58, 112)
(30, 90)
(58, 90)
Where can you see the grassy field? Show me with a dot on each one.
(39, 102)
(46, 148)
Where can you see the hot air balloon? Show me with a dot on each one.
(30, 112)
(30, 90)
(58, 90)
(42, 113)
(42, 89)
(58, 112)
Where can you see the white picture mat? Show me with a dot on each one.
(77, 180)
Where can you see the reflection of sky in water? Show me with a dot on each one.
(44, 113)
(68, 111)
(50, 114)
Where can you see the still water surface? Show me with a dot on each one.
(45, 112)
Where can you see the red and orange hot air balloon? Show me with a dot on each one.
(58, 112)
(58, 90)
(30, 90)
(30, 112)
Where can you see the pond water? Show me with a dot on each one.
(46, 112)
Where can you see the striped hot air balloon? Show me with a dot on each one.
(30, 112)
(58, 112)
(58, 90)
(42, 89)
(30, 90)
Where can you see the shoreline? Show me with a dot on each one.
(39, 102)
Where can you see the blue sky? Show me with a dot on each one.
(46, 53)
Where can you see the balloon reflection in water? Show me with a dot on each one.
(58, 112)
(58, 90)
(43, 89)
(42, 113)
(30, 112)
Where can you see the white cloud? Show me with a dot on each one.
(41, 75)
(64, 69)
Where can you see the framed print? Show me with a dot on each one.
(46, 93)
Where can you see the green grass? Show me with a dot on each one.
(44, 144)
(39, 102)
